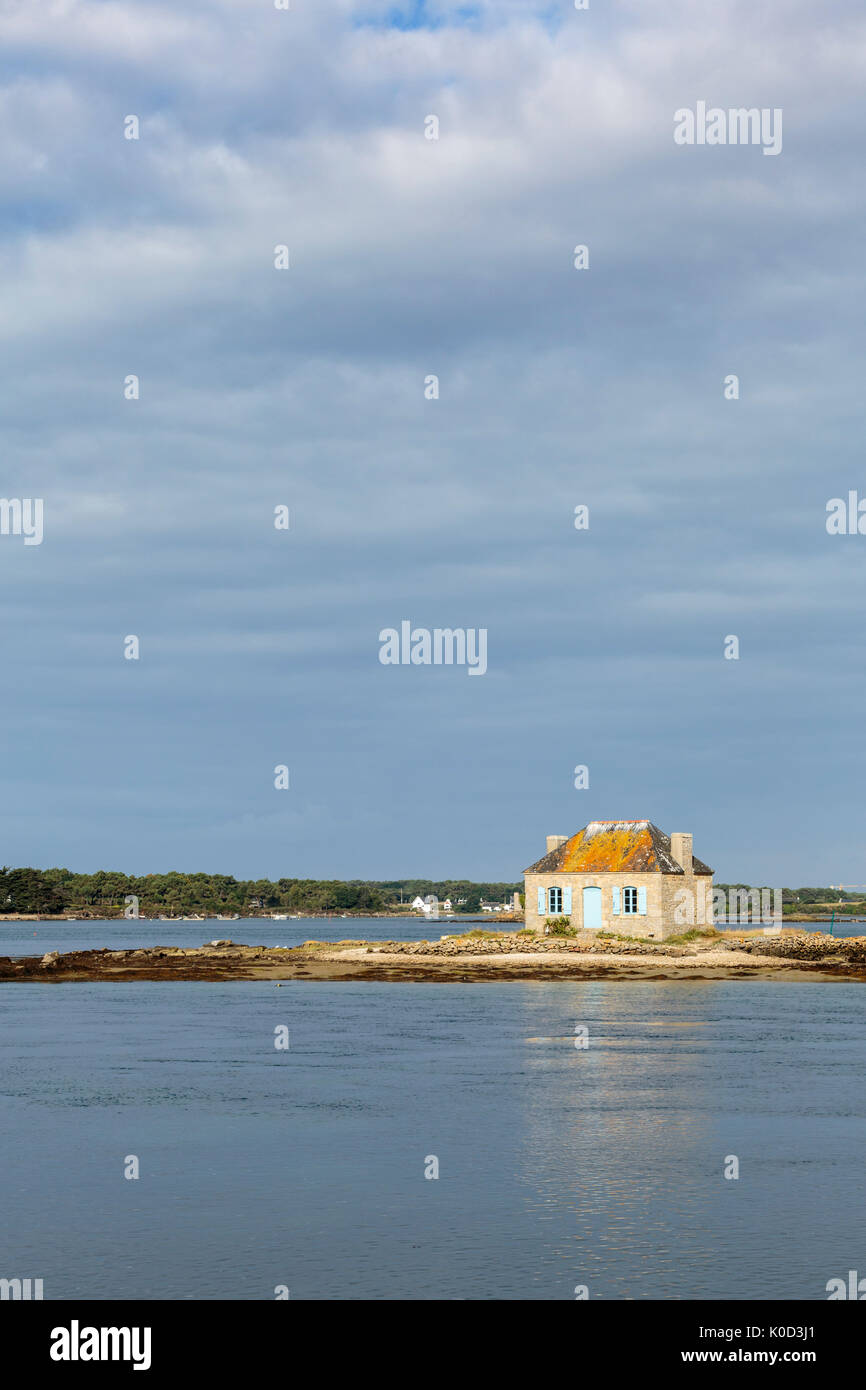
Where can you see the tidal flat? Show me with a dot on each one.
(483, 957)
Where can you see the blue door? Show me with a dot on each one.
(592, 907)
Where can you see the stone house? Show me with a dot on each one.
(621, 876)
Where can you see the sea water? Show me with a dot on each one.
(310, 1167)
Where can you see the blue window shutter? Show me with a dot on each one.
(541, 902)
(566, 901)
(616, 902)
(641, 902)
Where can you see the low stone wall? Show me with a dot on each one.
(811, 946)
(587, 943)
(800, 946)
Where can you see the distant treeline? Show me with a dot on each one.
(807, 900)
(463, 895)
(59, 890)
(103, 893)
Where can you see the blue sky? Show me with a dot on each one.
(558, 387)
(417, 14)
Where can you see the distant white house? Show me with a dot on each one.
(431, 905)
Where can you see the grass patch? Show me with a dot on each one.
(694, 934)
(683, 939)
(479, 934)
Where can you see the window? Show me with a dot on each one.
(629, 900)
(554, 900)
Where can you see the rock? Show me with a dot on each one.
(50, 959)
(221, 943)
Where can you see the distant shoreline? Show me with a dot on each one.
(455, 920)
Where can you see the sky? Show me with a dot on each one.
(411, 257)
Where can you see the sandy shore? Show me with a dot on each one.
(797, 956)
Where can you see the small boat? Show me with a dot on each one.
(280, 917)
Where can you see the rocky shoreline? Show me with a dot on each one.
(502, 957)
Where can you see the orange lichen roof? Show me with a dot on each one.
(614, 846)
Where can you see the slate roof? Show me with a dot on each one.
(615, 846)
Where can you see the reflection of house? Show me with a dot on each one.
(622, 876)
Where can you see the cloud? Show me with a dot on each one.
(557, 387)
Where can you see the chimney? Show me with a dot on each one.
(554, 841)
(681, 851)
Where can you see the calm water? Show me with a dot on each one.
(557, 1166)
(32, 938)
(35, 938)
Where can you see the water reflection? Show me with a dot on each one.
(558, 1166)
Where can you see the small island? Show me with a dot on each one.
(475, 957)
